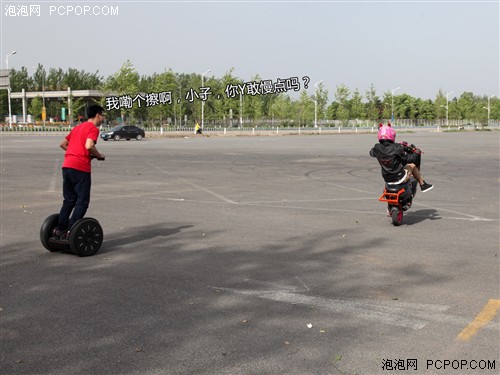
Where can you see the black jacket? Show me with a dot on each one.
(392, 158)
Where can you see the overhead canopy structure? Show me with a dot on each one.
(58, 94)
(4, 79)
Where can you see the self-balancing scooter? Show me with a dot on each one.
(84, 238)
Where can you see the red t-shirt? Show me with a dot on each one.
(77, 156)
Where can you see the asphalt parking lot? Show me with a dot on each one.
(254, 255)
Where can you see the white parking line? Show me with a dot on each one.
(53, 179)
(283, 204)
(217, 195)
(410, 315)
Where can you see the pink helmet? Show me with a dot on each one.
(386, 132)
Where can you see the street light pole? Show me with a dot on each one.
(179, 101)
(8, 88)
(180, 105)
(316, 103)
(446, 106)
(241, 110)
(315, 110)
(489, 108)
(392, 103)
(44, 110)
(203, 102)
(43, 99)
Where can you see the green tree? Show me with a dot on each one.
(19, 79)
(36, 107)
(331, 111)
(253, 106)
(373, 105)
(39, 80)
(79, 106)
(128, 84)
(405, 107)
(54, 80)
(282, 109)
(342, 98)
(494, 109)
(230, 99)
(466, 106)
(190, 86)
(356, 106)
(3, 104)
(267, 101)
(454, 112)
(77, 80)
(305, 115)
(215, 105)
(387, 100)
(164, 84)
(125, 82)
(184, 109)
(425, 109)
(440, 104)
(321, 95)
(481, 113)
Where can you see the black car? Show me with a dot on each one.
(123, 131)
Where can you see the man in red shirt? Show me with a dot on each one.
(80, 148)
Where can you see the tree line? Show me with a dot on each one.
(184, 95)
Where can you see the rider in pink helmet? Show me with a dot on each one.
(396, 164)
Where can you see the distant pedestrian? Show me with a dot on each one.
(197, 128)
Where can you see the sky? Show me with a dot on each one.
(420, 47)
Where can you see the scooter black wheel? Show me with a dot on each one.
(46, 232)
(85, 237)
(397, 216)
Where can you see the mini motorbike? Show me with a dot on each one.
(399, 197)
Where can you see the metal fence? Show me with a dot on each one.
(259, 130)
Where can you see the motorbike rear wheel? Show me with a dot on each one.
(397, 216)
